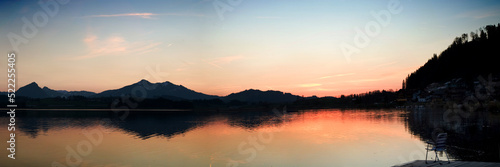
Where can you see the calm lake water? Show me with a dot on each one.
(317, 138)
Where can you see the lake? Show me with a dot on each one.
(329, 137)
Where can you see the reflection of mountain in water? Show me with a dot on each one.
(472, 138)
(141, 124)
(167, 125)
(475, 137)
(34, 123)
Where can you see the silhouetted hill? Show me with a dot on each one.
(269, 96)
(80, 93)
(170, 96)
(468, 57)
(52, 93)
(164, 95)
(166, 90)
(31, 90)
(64, 93)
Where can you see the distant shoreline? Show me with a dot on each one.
(108, 109)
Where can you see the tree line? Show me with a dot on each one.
(469, 56)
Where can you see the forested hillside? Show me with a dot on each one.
(469, 56)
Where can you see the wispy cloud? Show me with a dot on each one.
(365, 80)
(142, 15)
(115, 45)
(324, 89)
(337, 75)
(146, 15)
(217, 62)
(308, 85)
(326, 77)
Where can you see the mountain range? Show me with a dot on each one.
(32, 90)
(166, 90)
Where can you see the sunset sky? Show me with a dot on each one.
(218, 47)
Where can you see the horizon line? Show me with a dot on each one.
(200, 92)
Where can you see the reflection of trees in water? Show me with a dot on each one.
(141, 124)
(254, 120)
(148, 124)
(473, 138)
(375, 115)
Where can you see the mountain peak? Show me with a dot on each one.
(33, 84)
(167, 83)
(159, 89)
(144, 81)
(31, 90)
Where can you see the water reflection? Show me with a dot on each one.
(474, 136)
(141, 124)
(148, 124)
(306, 138)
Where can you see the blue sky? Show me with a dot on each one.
(293, 46)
